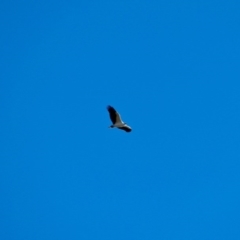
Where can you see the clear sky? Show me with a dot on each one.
(171, 68)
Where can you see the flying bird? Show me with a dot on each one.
(116, 120)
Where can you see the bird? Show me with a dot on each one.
(116, 120)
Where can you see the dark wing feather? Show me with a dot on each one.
(127, 129)
(112, 114)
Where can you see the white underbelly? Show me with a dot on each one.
(119, 124)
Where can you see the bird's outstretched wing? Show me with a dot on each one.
(126, 128)
(114, 115)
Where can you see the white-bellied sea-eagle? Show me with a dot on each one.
(116, 120)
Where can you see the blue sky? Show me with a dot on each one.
(171, 68)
